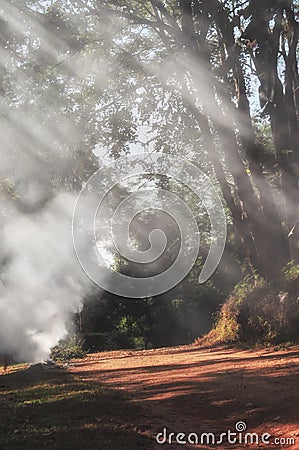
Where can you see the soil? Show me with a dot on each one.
(194, 390)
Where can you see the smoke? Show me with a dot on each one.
(76, 81)
(45, 129)
(41, 282)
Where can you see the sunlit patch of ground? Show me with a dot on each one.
(121, 400)
(188, 389)
(13, 368)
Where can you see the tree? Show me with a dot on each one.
(182, 72)
(275, 59)
(203, 34)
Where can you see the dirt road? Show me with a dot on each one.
(192, 390)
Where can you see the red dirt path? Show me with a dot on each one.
(189, 389)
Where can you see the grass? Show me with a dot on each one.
(54, 410)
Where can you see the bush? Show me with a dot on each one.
(259, 311)
(66, 349)
(113, 340)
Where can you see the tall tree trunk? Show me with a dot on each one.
(240, 222)
(242, 118)
(282, 107)
(252, 215)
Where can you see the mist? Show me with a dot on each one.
(82, 85)
(41, 282)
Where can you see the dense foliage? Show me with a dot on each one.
(214, 81)
(259, 311)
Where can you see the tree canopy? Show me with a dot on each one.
(214, 81)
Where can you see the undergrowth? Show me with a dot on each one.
(66, 349)
(259, 312)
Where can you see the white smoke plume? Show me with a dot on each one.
(47, 116)
(43, 123)
(41, 281)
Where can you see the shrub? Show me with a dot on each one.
(259, 311)
(113, 340)
(66, 349)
